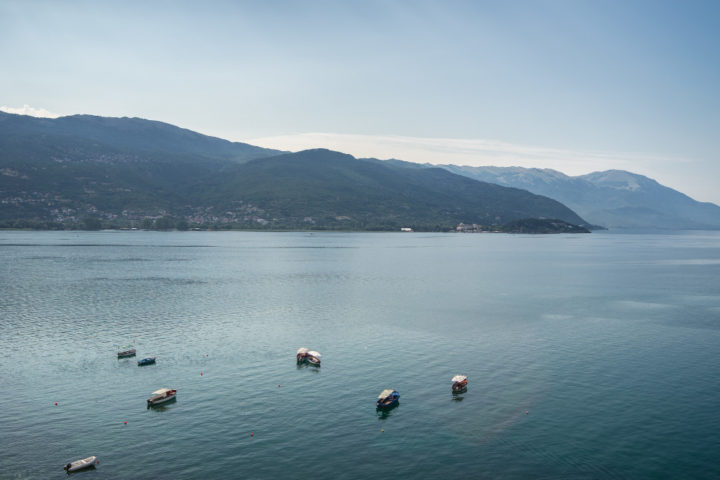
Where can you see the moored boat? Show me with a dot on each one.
(388, 398)
(302, 355)
(126, 351)
(459, 383)
(161, 396)
(146, 361)
(80, 464)
(313, 358)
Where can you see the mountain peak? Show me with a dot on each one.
(619, 180)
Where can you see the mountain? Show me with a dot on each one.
(613, 198)
(129, 172)
(126, 134)
(337, 189)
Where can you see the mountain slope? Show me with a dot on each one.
(128, 134)
(613, 198)
(335, 188)
(123, 171)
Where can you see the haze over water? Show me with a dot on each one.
(609, 342)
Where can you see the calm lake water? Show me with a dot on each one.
(588, 356)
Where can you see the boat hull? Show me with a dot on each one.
(388, 402)
(459, 387)
(146, 361)
(80, 464)
(127, 353)
(159, 400)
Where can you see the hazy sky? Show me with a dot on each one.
(572, 85)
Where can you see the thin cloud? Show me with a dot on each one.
(28, 110)
(471, 152)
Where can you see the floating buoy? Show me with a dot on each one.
(206, 354)
(527, 412)
(133, 340)
(278, 386)
(382, 430)
(201, 374)
(252, 434)
(56, 402)
(125, 422)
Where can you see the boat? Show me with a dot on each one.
(161, 396)
(313, 358)
(459, 383)
(146, 361)
(126, 351)
(388, 398)
(80, 464)
(302, 355)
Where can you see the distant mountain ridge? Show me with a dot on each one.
(129, 172)
(613, 198)
(126, 133)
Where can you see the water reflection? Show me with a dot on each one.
(384, 413)
(312, 368)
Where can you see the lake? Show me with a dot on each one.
(588, 356)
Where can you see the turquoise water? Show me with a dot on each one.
(609, 342)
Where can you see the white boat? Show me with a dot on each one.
(313, 357)
(459, 383)
(302, 354)
(80, 464)
(161, 396)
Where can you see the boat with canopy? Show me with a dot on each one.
(302, 354)
(161, 396)
(388, 398)
(459, 383)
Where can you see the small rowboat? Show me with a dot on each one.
(313, 358)
(126, 351)
(387, 399)
(80, 464)
(146, 361)
(161, 396)
(459, 383)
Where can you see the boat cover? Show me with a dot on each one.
(161, 391)
(314, 353)
(386, 393)
(127, 347)
(302, 350)
(78, 464)
(459, 378)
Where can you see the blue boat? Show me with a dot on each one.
(387, 399)
(146, 361)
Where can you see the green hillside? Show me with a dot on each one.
(98, 172)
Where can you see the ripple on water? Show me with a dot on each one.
(619, 377)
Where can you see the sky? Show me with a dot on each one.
(573, 85)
